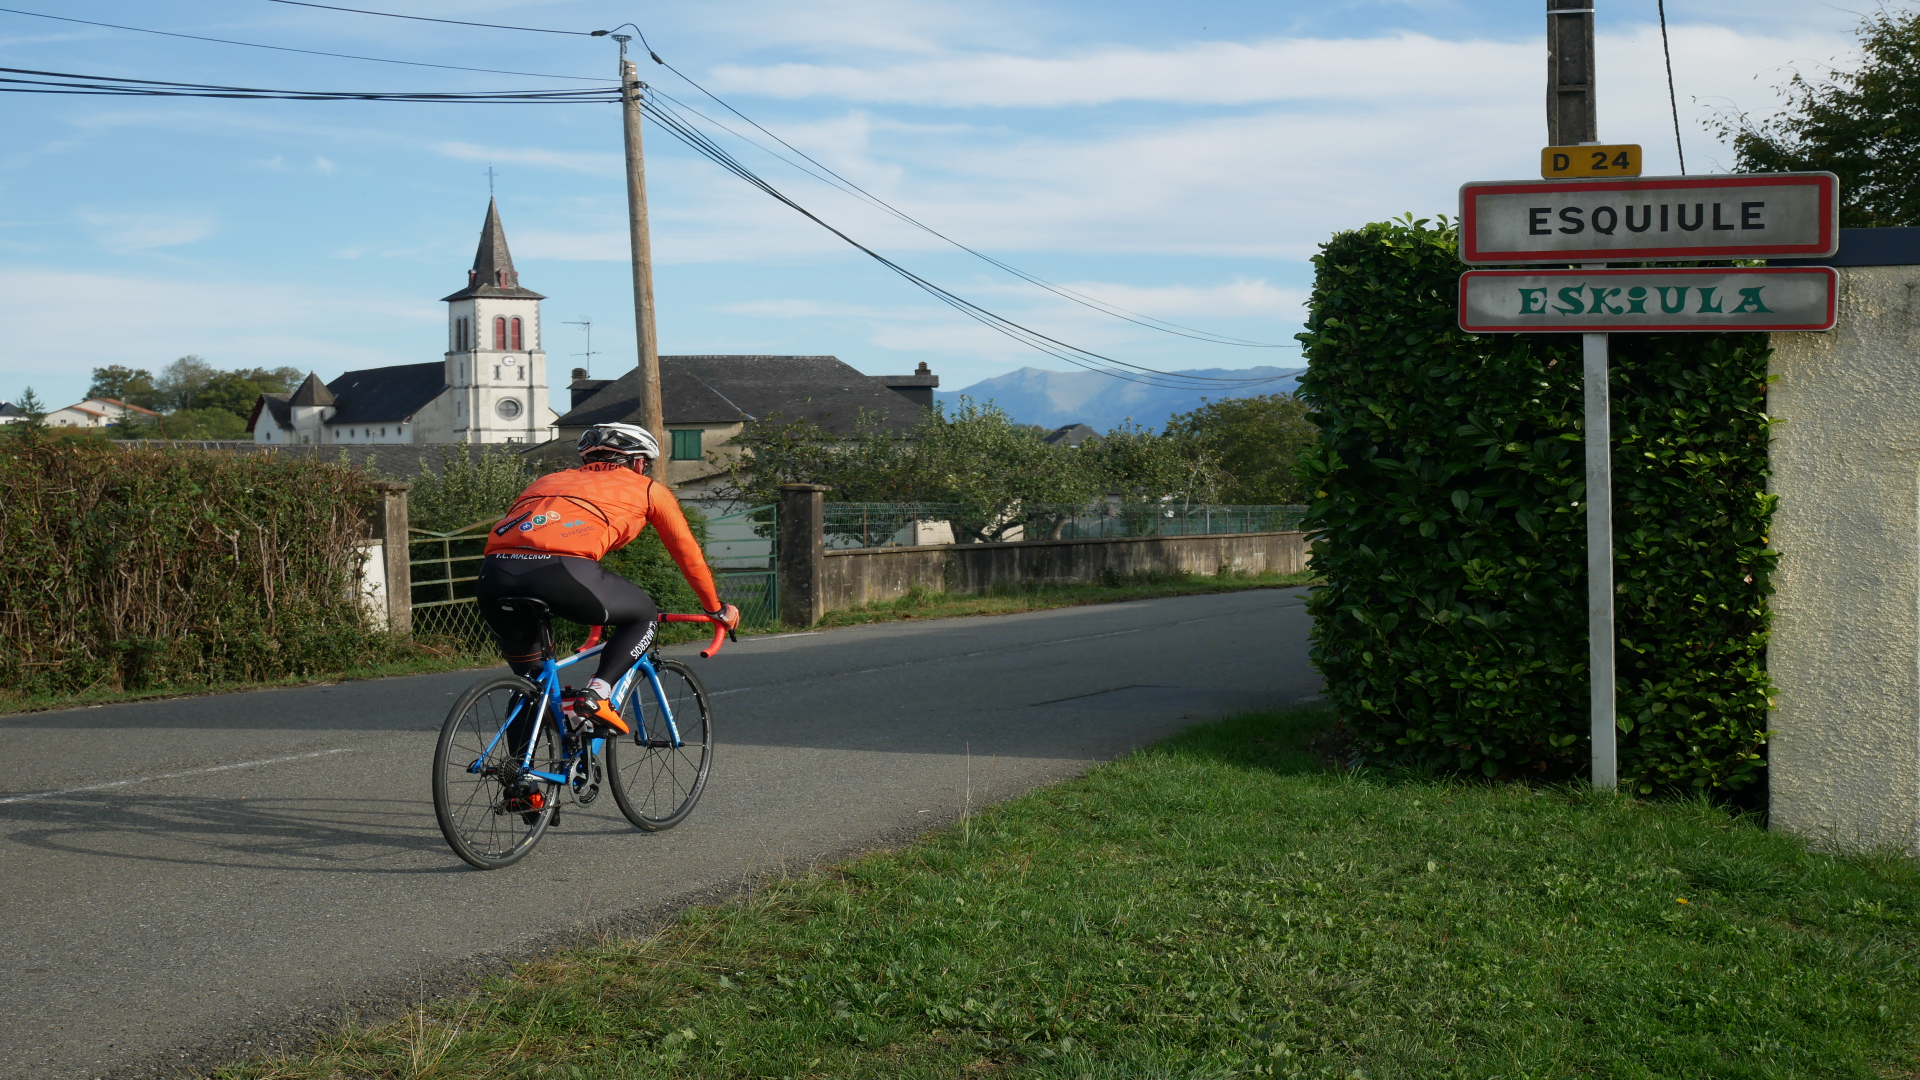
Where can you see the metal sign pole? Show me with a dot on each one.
(1599, 444)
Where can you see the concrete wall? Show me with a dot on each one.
(1844, 763)
(868, 574)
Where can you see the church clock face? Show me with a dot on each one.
(508, 408)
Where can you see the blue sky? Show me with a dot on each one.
(1181, 160)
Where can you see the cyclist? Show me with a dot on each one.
(548, 547)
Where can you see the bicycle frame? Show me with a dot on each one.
(548, 680)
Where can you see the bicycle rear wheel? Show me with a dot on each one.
(655, 782)
(487, 809)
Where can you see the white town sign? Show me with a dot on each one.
(1666, 218)
(1682, 298)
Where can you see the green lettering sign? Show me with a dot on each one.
(1528, 300)
(1750, 301)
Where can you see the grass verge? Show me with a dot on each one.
(1222, 905)
(920, 603)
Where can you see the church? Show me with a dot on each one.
(491, 387)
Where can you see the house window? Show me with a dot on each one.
(500, 332)
(686, 445)
(516, 335)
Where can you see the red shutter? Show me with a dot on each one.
(516, 335)
(500, 332)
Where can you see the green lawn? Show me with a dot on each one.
(919, 604)
(1223, 905)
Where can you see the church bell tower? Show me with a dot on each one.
(496, 369)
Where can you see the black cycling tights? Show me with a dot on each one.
(574, 588)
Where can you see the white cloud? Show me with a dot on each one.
(1396, 133)
(126, 232)
(604, 164)
(62, 325)
(1203, 73)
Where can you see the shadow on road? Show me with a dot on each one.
(290, 835)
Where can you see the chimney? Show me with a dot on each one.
(579, 373)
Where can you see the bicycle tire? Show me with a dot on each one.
(657, 788)
(469, 804)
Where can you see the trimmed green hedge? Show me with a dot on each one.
(1448, 487)
(130, 569)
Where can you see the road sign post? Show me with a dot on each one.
(1598, 439)
(1639, 220)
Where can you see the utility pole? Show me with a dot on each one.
(652, 416)
(1571, 116)
(1572, 119)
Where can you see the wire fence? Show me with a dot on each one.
(871, 525)
(446, 569)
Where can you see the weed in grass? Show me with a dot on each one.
(1222, 904)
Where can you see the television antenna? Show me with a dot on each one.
(585, 321)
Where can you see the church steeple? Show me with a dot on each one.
(493, 273)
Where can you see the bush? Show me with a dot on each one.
(139, 568)
(1448, 482)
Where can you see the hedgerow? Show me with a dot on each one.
(128, 569)
(1448, 498)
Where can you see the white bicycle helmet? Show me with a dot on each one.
(626, 440)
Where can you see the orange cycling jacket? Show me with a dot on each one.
(589, 511)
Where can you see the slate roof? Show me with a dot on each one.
(386, 395)
(312, 392)
(1070, 435)
(731, 389)
(8, 408)
(275, 406)
(490, 261)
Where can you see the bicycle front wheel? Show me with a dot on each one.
(490, 813)
(655, 782)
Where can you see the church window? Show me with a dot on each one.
(516, 335)
(500, 332)
(502, 276)
(686, 445)
(496, 373)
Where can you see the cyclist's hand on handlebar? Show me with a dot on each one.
(728, 614)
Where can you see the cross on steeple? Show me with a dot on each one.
(490, 175)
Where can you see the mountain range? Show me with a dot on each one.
(1052, 399)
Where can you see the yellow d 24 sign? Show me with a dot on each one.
(1564, 162)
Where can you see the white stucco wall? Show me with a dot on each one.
(1845, 652)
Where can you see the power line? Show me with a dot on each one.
(843, 184)
(60, 82)
(1672, 100)
(849, 186)
(1083, 358)
(309, 52)
(423, 18)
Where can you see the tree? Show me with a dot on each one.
(134, 386)
(1254, 442)
(182, 382)
(31, 407)
(1863, 125)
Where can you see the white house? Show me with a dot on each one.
(94, 412)
(489, 387)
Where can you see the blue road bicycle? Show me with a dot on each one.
(505, 762)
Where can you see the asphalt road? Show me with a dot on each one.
(184, 877)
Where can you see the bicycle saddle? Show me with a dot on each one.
(524, 603)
